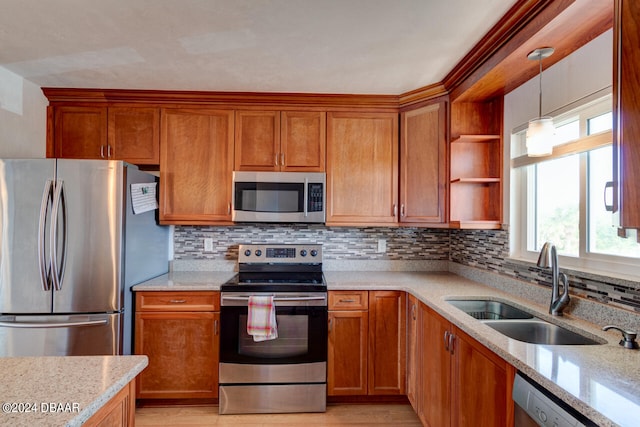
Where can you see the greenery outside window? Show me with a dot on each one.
(561, 198)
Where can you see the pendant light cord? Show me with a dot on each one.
(540, 102)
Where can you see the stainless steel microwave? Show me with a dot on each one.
(279, 197)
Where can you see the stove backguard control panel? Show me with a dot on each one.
(280, 254)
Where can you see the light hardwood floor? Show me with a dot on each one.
(336, 415)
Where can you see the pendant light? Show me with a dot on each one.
(541, 131)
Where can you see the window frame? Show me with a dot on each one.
(523, 183)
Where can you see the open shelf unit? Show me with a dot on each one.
(475, 182)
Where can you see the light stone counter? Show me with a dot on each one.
(61, 391)
(600, 381)
(186, 281)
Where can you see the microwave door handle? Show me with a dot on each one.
(306, 197)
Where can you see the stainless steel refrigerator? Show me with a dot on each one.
(70, 250)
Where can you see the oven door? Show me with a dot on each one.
(302, 331)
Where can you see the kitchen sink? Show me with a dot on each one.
(490, 310)
(537, 331)
(518, 324)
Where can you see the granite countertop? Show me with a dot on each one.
(600, 381)
(61, 391)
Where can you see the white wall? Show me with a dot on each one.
(587, 70)
(23, 117)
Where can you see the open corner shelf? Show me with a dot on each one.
(475, 138)
(475, 180)
(476, 225)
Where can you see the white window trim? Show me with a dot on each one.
(520, 233)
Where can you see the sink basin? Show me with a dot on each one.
(537, 331)
(518, 324)
(489, 309)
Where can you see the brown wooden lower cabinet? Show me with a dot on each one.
(118, 411)
(367, 343)
(179, 333)
(456, 380)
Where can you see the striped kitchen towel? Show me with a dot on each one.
(261, 321)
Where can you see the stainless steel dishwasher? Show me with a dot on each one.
(535, 406)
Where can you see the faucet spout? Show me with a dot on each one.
(548, 258)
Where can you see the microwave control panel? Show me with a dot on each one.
(315, 200)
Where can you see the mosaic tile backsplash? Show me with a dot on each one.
(489, 250)
(338, 242)
(484, 249)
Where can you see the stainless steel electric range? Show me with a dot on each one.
(289, 373)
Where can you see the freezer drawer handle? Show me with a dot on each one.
(33, 325)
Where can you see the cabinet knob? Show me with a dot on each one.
(282, 159)
(276, 159)
(102, 151)
(177, 301)
(402, 210)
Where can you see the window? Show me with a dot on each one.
(561, 198)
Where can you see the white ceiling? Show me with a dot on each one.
(319, 46)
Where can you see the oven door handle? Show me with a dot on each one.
(243, 298)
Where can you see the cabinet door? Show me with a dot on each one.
(413, 353)
(134, 135)
(626, 107)
(303, 141)
(435, 365)
(387, 342)
(480, 392)
(257, 145)
(423, 165)
(347, 353)
(362, 168)
(183, 354)
(196, 164)
(80, 132)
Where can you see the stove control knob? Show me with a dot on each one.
(303, 252)
(258, 252)
(247, 252)
(314, 252)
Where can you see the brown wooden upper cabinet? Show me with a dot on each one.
(423, 165)
(116, 133)
(196, 165)
(280, 141)
(362, 168)
(626, 108)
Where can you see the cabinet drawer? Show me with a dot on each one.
(348, 300)
(178, 301)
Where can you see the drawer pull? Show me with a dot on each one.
(177, 301)
(347, 300)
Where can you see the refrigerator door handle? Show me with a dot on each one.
(42, 225)
(57, 266)
(34, 325)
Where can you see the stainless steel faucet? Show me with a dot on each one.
(549, 259)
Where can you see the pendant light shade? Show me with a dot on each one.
(541, 131)
(540, 134)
